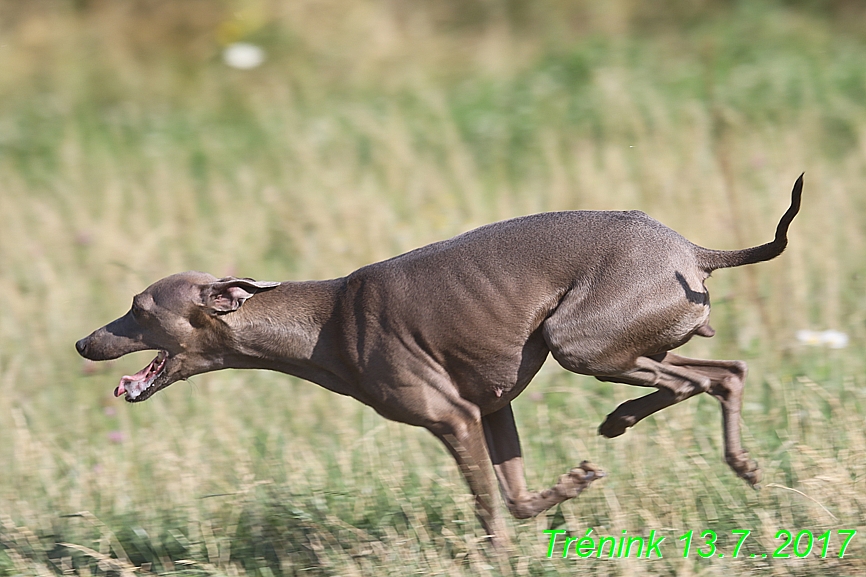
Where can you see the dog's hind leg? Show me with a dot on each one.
(727, 381)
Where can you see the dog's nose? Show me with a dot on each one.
(80, 346)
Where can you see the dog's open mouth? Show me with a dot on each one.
(143, 380)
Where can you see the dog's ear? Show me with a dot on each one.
(228, 294)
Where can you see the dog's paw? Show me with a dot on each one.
(615, 425)
(575, 481)
(745, 468)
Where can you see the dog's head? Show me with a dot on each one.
(178, 316)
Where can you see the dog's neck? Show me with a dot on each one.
(287, 329)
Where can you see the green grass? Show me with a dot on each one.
(129, 151)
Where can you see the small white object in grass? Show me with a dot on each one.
(807, 337)
(835, 339)
(831, 339)
(243, 55)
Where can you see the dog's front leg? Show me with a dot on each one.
(503, 444)
(464, 438)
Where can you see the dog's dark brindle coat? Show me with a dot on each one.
(446, 336)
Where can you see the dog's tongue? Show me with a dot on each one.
(134, 385)
(127, 380)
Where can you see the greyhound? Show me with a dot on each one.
(446, 336)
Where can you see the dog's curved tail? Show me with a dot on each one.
(710, 260)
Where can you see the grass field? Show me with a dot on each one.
(129, 151)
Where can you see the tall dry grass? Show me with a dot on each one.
(128, 151)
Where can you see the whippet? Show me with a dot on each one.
(446, 336)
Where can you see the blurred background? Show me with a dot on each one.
(301, 140)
